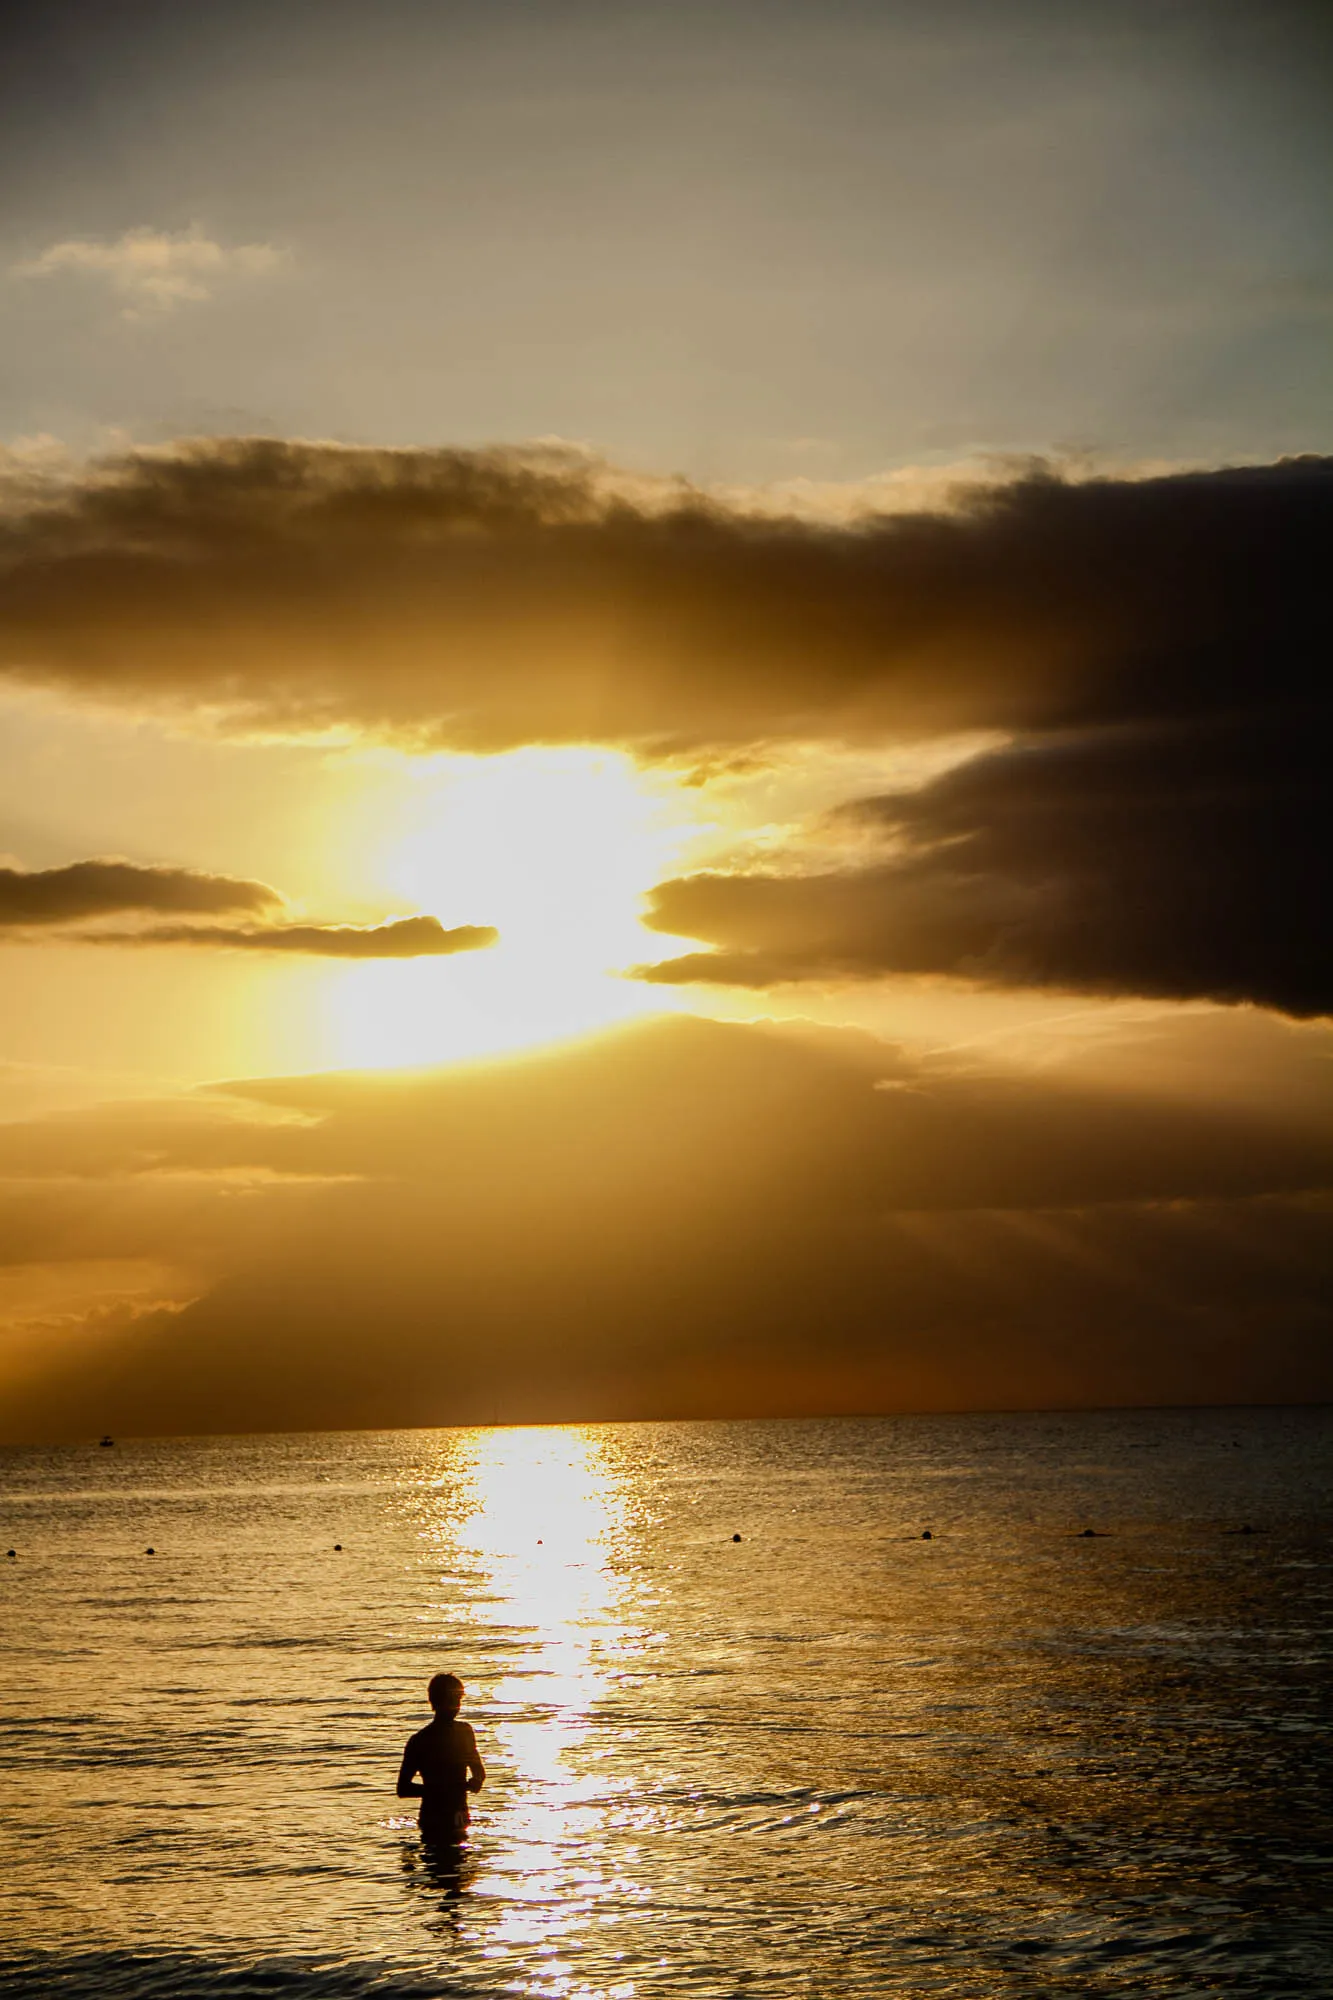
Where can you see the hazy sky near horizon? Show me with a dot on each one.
(750, 566)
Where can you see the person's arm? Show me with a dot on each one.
(407, 1772)
(476, 1770)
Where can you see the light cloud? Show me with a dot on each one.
(154, 270)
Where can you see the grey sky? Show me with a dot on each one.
(742, 240)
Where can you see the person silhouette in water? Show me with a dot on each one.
(444, 1755)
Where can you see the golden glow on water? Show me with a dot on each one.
(536, 1517)
(829, 1758)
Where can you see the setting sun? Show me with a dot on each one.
(555, 848)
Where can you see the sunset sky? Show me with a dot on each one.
(665, 709)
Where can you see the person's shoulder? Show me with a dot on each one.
(416, 1737)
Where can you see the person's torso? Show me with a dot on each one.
(442, 1754)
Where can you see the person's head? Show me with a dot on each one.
(445, 1695)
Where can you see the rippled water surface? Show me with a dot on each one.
(832, 1757)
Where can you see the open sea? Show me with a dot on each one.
(833, 1757)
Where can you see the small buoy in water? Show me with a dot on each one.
(1246, 1529)
(337, 1548)
(735, 1538)
(926, 1535)
(11, 1552)
(539, 1541)
(1087, 1534)
(150, 1552)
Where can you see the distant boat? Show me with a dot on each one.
(106, 1441)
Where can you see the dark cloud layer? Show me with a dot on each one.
(44, 898)
(1156, 650)
(712, 1220)
(87, 889)
(405, 937)
(488, 599)
(1189, 861)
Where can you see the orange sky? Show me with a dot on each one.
(814, 901)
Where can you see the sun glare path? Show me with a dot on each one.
(556, 849)
(540, 1512)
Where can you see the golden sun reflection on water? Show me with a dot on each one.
(537, 1515)
(833, 1759)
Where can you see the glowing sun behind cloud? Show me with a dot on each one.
(557, 848)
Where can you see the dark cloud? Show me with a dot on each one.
(1185, 860)
(86, 889)
(488, 599)
(712, 1220)
(89, 889)
(1155, 648)
(405, 937)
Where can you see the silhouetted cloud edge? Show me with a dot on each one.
(94, 888)
(404, 937)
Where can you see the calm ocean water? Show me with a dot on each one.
(833, 1758)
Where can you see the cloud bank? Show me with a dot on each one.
(1155, 823)
(1183, 860)
(714, 1220)
(482, 600)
